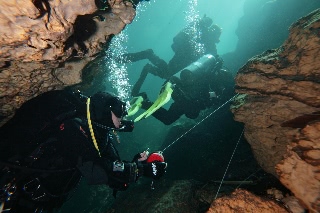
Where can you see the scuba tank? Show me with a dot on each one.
(203, 64)
(192, 82)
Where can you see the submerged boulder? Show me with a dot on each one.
(244, 201)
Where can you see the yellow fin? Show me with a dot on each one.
(135, 104)
(162, 99)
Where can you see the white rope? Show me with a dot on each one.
(235, 148)
(199, 123)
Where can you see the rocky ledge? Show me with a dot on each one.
(45, 44)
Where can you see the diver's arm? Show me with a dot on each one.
(226, 89)
(117, 170)
(220, 85)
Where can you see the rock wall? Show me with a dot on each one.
(300, 169)
(280, 106)
(44, 45)
(244, 201)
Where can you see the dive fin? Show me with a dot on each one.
(143, 115)
(163, 98)
(135, 104)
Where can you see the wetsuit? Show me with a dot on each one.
(39, 173)
(191, 95)
(185, 52)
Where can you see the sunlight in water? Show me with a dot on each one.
(118, 75)
(142, 7)
(192, 15)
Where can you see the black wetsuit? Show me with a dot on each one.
(190, 98)
(185, 52)
(40, 172)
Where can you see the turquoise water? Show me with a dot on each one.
(204, 153)
(157, 22)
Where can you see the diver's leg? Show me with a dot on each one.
(163, 70)
(153, 58)
(137, 86)
(165, 116)
(158, 62)
(148, 68)
(146, 54)
(133, 57)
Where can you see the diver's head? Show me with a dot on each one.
(107, 109)
(205, 22)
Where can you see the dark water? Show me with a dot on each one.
(215, 148)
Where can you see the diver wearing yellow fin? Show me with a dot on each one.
(197, 87)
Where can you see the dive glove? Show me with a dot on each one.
(154, 170)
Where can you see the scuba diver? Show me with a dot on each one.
(184, 51)
(58, 137)
(199, 86)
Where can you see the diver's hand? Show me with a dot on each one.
(144, 155)
(140, 157)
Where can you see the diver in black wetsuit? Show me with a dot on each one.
(46, 149)
(184, 51)
(199, 86)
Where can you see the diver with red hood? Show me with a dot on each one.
(38, 171)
